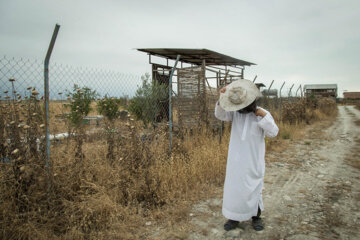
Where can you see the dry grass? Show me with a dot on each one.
(353, 158)
(99, 199)
(357, 105)
(357, 122)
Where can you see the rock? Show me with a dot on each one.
(148, 223)
(287, 198)
(320, 176)
(216, 201)
(191, 214)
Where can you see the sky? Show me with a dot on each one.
(299, 42)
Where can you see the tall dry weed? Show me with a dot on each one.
(309, 109)
(99, 199)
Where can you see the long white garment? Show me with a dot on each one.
(245, 167)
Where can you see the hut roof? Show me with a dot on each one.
(320, 86)
(196, 56)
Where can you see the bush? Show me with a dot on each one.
(327, 106)
(80, 100)
(308, 109)
(109, 107)
(294, 112)
(145, 105)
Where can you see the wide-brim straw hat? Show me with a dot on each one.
(238, 95)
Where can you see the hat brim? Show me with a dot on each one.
(252, 93)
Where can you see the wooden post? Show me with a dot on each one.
(204, 103)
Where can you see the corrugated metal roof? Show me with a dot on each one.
(320, 86)
(195, 56)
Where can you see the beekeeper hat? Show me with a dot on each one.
(238, 95)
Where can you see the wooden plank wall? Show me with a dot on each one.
(190, 92)
(195, 101)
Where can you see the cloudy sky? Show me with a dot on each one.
(301, 42)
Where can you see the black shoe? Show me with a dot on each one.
(230, 225)
(257, 224)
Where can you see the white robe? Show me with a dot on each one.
(245, 167)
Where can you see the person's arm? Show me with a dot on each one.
(220, 113)
(267, 123)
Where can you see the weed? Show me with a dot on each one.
(286, 136)
(109, 107)
(80, 100)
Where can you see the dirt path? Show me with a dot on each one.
(311, 191)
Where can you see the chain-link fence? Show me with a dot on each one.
(97, 101)
(151, 105)
(64, 79)
(83, 104)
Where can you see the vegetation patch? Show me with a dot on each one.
(107, 181)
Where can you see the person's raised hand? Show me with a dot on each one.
(260, 112)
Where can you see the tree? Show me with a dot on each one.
(145, 105)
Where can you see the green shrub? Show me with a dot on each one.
(80, 100)
(145, 105)
(109, 107)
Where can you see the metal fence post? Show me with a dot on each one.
(268, 94)
(281, 100)
(170, 94)
(46, 93)
(297, 90)
(290, 93)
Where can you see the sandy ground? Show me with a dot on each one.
(311, 191)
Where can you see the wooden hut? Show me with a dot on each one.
(198, 76)
(351, 95)
(321, 90)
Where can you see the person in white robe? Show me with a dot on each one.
(245, 169)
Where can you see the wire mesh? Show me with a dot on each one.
(193, 98)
